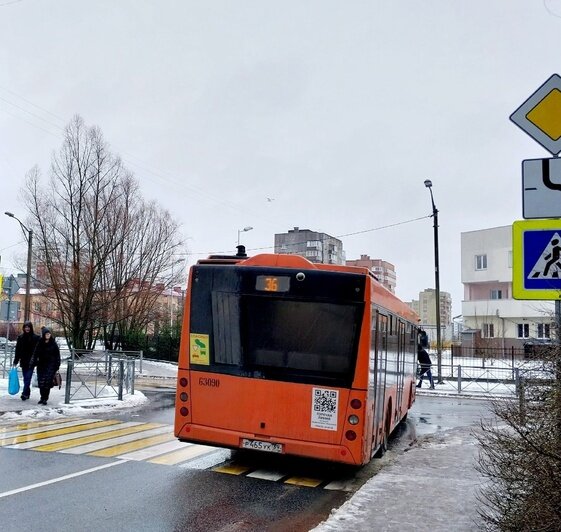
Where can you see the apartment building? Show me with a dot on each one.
(315, 246)
(490, 314)
(383, 271)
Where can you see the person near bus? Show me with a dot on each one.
(425, 363)
(46, 359)
(25, 346)
(423, 339)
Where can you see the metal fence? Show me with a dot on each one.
(103, 375)
(6, 358)
(490, 376)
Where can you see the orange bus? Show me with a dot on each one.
(282, 355)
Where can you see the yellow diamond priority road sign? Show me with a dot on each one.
(540, 115)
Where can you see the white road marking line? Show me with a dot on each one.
(155, 450)
(60, 479)
(265, 474)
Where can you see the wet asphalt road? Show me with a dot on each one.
(126, 495)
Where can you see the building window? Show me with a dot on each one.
(311, 253)
(313, 244)
(496, 294)
(37, 307)
(481, 262)
(523, 330)
(543, 330)
(489, 330)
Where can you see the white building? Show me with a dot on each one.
(491, 316)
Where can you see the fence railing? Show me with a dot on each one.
(6, 358)
(492, 377)
(99, 377)
(88, 354)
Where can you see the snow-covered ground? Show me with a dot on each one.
(13, 408)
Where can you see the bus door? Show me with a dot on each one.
(401, 347)
(381, 359)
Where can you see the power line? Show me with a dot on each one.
(336, 236)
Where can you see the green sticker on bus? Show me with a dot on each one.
(199, 352)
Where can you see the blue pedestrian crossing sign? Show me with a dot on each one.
(536, 259)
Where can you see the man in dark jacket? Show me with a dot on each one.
(25, 345)
(425, 363)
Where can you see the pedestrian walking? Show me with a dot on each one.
(46, 359)
(423, 339)
(426, 363)
(25, 346)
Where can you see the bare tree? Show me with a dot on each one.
(93, 233)
(521, 452)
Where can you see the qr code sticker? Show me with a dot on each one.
(325, 400)
(324, 408)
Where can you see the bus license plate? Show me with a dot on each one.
(257, 445)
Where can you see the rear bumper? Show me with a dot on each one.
(226, 438)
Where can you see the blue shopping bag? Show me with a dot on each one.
(13, 381)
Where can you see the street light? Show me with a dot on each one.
(428, 184)
(248, 228)
(29, 238)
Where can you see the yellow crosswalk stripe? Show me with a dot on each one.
(304, 481)
(133, 446)
(56, 432)
(231, 469)
(74, 442)
(182, 455)
(32, 424)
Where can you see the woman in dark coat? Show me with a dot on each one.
(47, 361)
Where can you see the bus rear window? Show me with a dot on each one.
(294, 337)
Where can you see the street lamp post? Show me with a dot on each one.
(29, 238)
(248, 228)
(428, 184)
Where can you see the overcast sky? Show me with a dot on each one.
(337, 111)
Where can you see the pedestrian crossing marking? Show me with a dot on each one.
(132, 446)
(113, 441)
(232, 469)
(548, 266)
(265, 474)
(137, 441)
(32, 424)
(183, 455)
(156, 450)
(53, 432)
(95, 435)
(304, 481)
(14, 431)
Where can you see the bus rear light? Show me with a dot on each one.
(184, 411)
(356, 404)
(353, 420)
(183, 396)
(350, 435)
(183, 382)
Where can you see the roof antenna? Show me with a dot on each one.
(241, 251)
